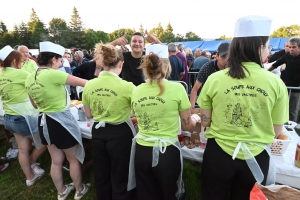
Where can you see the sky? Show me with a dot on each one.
(208, 19)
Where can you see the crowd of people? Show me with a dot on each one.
(244, 106)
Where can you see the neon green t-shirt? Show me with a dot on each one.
(108, 97)
(244, 110)
(29, 66)
(12, 87)
(158, 116)
(48, 91)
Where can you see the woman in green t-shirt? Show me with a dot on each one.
(17, 107)
(157, 104)
(245, 107)
(58, 128)
(107, 100)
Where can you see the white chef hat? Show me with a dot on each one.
(51, 47)
(5, 51)
(158, 49)
(252, 25)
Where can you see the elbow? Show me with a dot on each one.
(205, 123)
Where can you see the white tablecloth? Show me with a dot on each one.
(286, 172)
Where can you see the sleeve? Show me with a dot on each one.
(274, 57)
(184, 102)
(23, 75)
(280, 111)
(85, 97)
(204, 100)
(132, 102)
(202, 74)
(131, 87)
(181, 65)
(58, 77)
(280, 61)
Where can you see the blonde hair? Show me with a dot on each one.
(155, 68)
(188, 52)
(197, 53)
(108, 54)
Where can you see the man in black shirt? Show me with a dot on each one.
(132, 60)
(291, 75)
(176, 64)
(208, 69)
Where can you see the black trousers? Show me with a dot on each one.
(111, 154)
(224, 178)
(159, 182)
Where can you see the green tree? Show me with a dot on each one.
(141, 29)
(179, 38)
(169, 28)
(25, 35)
(3, 28)
(77, 36)
(191, 36)
(16, 35)
(167, 37)
(93, 37)
(58, 31)
(223, 37)
(118, 33)
(157, 31)
(286, 31)
(37, 30)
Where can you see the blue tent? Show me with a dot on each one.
(193, 45)
(282, 42)
(275, 43)
(212, 46)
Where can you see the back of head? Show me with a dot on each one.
(13, 55)
(180, 47)
(154, 68)
(108, 54)
(79, 53)
(188, 51)
(172, 47)
(203, 53)
(250, 35)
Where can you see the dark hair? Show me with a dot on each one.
(139, 34)
(108, 54)
(44, 58)
(14, 55)
(244, 49)
(153, 67)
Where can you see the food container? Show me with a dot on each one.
(297, 156)
(278, 147)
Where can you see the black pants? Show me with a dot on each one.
(159, 182)
(221, 175)
(111, 154)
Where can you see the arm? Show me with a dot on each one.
(205, 117)
(279, 62)
(88, 112)
(187, 121)
(122, 41)
(152, 39)
(181, 76)
(32, 102)
(194, 93)
(277, 129)
(73, 80)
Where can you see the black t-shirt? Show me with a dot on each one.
(85, 70)
(276, 56)
(130, 71)
(207, 69)
(177, 67)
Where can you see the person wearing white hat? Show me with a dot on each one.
(156, 158)
(245, 107)
(58, 128)
(107, 99)
(17, 110)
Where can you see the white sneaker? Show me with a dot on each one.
(14, 153)
(34, 180)
(79, 195)
(37, 169)
(64, 195)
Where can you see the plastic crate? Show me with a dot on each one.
(278, 147)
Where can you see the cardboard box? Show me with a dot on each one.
(197, 129)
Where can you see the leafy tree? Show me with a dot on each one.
(16, 35)
(169, 28)
(93, 37)
(118, 33)
(37, 30)
(191, 36)
(58, 31)
(157, 31)
(179, 38)
(286, 31)
(167, 37)
(223, 37)
(24, 35)
(77, 36)
(7, 39)
(141, 29)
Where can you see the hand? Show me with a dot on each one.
(122, 41)
(196, 117)
(152, 39)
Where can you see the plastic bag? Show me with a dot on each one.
(257, 194)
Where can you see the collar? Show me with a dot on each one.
(105, 72)
(251, 65)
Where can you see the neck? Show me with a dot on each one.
(172, 53)
(219, 66)
(137, 54)
(113, 70)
